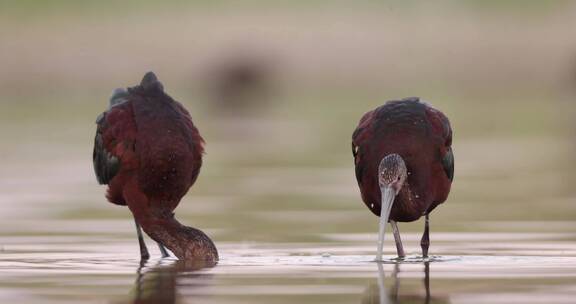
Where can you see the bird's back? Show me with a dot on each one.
(168, 144)
(418, 133)
(147, 137)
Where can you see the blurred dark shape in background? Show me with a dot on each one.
(240, 83)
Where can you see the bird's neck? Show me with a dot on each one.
(186, 243)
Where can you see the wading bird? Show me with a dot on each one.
(404, 164)
(149, 153)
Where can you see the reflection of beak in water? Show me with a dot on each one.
(159, 283)
(378, 293)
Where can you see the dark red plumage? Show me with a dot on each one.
(149, 152)
(422, 136)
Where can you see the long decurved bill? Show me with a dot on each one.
(388, 195)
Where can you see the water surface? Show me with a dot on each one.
(74, 270)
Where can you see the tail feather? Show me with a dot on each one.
(150, 83)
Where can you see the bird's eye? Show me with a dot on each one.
(398, 179)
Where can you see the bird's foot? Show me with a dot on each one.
(425, 250)
(144, 256)
(163, 251)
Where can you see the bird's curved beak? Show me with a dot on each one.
(388, 195)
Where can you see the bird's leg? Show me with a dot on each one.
(425, 242)
(163, 251)
(144, 255)
(399, 247)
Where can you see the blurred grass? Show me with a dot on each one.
(66, 6)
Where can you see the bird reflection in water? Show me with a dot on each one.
(377, 293)
(160, 283)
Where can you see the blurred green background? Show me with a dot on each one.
(276, 89)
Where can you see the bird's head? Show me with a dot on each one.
(392, 174)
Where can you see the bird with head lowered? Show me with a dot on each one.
(404, 164)
(149, 153)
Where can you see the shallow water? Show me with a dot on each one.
(288, 219)
(310, 242)
(60, 242)
(68, 270)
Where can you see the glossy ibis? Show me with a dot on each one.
(404, 164)
(149, 153)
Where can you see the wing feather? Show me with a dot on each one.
(448, 159)
(448, 164)
(106, 165)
